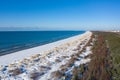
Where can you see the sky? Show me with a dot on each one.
(60, 14)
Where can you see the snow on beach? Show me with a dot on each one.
(40, 63)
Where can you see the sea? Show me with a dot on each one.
(12, 41)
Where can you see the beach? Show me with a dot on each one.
(43, 61)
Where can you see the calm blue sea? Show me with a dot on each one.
(11, 41)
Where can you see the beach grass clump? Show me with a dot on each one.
(71, 61)
(64, 68)
(44, 68)
(57, 60)
(77, 72)
(34, 75)
(57, 75)
(15, 72)
(63, 57)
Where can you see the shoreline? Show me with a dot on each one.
(15, 47)
(15, 56)
(45, 61)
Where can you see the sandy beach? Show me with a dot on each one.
(47, 59)
(7, 59)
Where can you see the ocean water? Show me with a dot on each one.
(12, 41)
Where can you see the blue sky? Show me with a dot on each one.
(61, 14)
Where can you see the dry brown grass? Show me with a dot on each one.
(98, 68)
(15, 72)
(57, 75)
(44, 68)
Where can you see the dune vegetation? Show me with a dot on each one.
(113, 41)
(105, 59)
